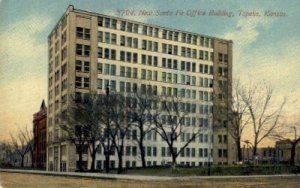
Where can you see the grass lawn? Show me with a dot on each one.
(215, 170)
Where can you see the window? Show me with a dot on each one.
(99, 68)
(79, 32)
(78, 81)
(100, 21)
(86, 66)
(100, 52)
(135, 72)
(122, 86)
(122, 71)
(113, 38)
(86, 82)
(114, 24)
(106, 53)
(122, 41)
(82, 33)
(86, 50)
(78, 65)
(143, 74)
(135, 28)
(129, 41)
(143, 59)
(100, 36)
(135, 57)
(122, 56)
(164, 48)
(99, 83)
(128, 56)
(135, 43)
(163, 151)
(163, 77)
(123, 25)
(200, 152)
(107, 22)
(128, 72)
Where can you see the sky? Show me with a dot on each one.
(264, 47)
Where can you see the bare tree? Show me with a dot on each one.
(23, 143)
(264, 115)
(239, 116)
(141, 119)
(75, 124)
(169, 120)
(107, 105)
(121, 125)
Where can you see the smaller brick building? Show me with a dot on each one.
(40, 139)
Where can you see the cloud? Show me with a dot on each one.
(245, 33)
(20, 42)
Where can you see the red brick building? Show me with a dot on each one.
(40, 139)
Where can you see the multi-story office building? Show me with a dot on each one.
(88, 51)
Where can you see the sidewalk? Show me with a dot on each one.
(137, 177)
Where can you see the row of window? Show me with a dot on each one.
(165, 91)
(133, 87)
(111, 38)
(57, 75)
(154, 32)
(153, 61)
(186, 121)
(129, 72)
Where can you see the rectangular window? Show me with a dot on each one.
(135, 72)
(86, 66)
(143, 74)
(122, 56)
(100, 36)
(122, 71)
(79, 32)
(99, 68)
(113, 38)
(100, 52)
(86, 82)
(114, 24)
(107, 37)
(129, 41)
(99, 83)
(86, 50)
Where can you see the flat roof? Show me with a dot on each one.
(71, 8)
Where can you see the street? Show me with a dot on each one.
(16, 180)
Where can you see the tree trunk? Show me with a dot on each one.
(293, 153)
(31, 159)
(174, 157)
(120, 166)
(93, 155)
(22, 161)
(239, 150)
(80, 168)
(93, 161)
(254, 151)
(141, 146)
(107, 163)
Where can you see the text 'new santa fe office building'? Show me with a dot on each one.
(88, 51)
